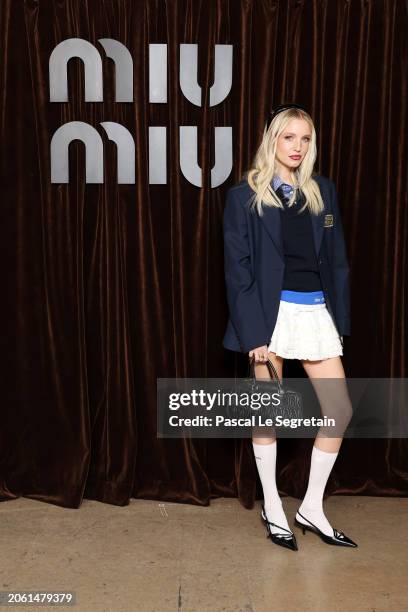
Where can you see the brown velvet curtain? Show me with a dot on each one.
(107, 287)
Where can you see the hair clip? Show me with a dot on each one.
(279, 109)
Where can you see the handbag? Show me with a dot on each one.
(286, 403)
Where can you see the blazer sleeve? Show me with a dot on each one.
(341, 270)
(246, 312)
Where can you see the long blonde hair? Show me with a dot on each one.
(260, 175)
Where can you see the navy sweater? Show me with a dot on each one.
(301, 268)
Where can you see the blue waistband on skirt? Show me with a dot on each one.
(302, 297)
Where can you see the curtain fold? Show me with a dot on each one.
(108, 287)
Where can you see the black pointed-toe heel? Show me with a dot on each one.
(287, 541)
(337, 539)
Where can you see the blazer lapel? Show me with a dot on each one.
(318, 220)
(272, 222)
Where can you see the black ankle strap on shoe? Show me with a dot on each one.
(303, 517)
(282, 535)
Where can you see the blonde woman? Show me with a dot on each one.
(287, 279)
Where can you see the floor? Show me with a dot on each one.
(151, 556)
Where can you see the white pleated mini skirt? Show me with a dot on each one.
(305, 331)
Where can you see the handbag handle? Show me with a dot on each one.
(271, 368)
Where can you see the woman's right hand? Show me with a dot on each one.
(260, 354)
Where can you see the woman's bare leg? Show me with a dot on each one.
(335, 403)
(265, 449)
(333, 398)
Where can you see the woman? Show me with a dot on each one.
(287, 279)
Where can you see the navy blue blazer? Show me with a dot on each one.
(254, 266)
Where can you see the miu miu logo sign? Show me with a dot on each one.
(89, 135)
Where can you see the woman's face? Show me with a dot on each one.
(293, 144)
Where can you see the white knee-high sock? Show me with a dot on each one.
(321, 465)
(265, 457)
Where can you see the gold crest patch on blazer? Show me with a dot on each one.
(328, 220)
